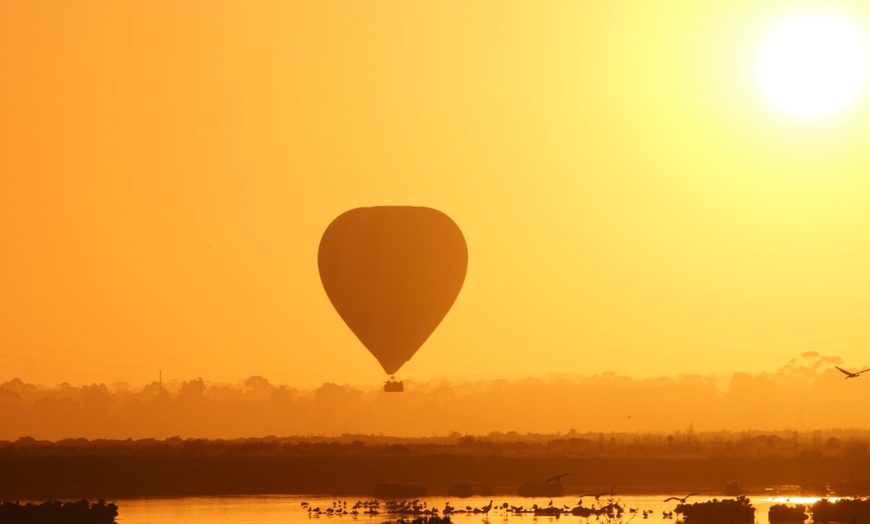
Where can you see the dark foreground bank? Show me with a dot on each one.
(357, 466)
(55, 511)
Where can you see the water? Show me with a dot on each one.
(288, 509)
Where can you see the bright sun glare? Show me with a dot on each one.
(814, 64)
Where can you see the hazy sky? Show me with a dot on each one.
(629, 198)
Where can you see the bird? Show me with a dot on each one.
(599, 495)
(557, 478)
(682, 500)
(849, 374)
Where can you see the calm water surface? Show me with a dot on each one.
(272, 509)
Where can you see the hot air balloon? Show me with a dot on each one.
(392, 273)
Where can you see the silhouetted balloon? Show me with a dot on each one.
(392, 273)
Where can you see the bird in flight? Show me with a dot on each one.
(557, 478)
(849, 374)
(682, 500)
(599, 495)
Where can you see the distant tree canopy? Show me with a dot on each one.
(582, 411)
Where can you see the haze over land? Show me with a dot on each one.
(806, 394)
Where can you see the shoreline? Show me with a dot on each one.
(109, 477)
(358, 465)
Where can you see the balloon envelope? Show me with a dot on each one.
(392, 273)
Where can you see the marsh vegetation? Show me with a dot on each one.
(498, 463)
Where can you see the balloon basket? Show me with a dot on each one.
(394, 386)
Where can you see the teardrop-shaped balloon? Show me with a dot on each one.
(392, 273)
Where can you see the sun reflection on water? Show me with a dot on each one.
(799, 500)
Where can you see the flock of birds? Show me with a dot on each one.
(392, 507)
(416, 508)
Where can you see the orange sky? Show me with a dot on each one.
(629, 200)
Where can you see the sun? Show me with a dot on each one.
(814, 64)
